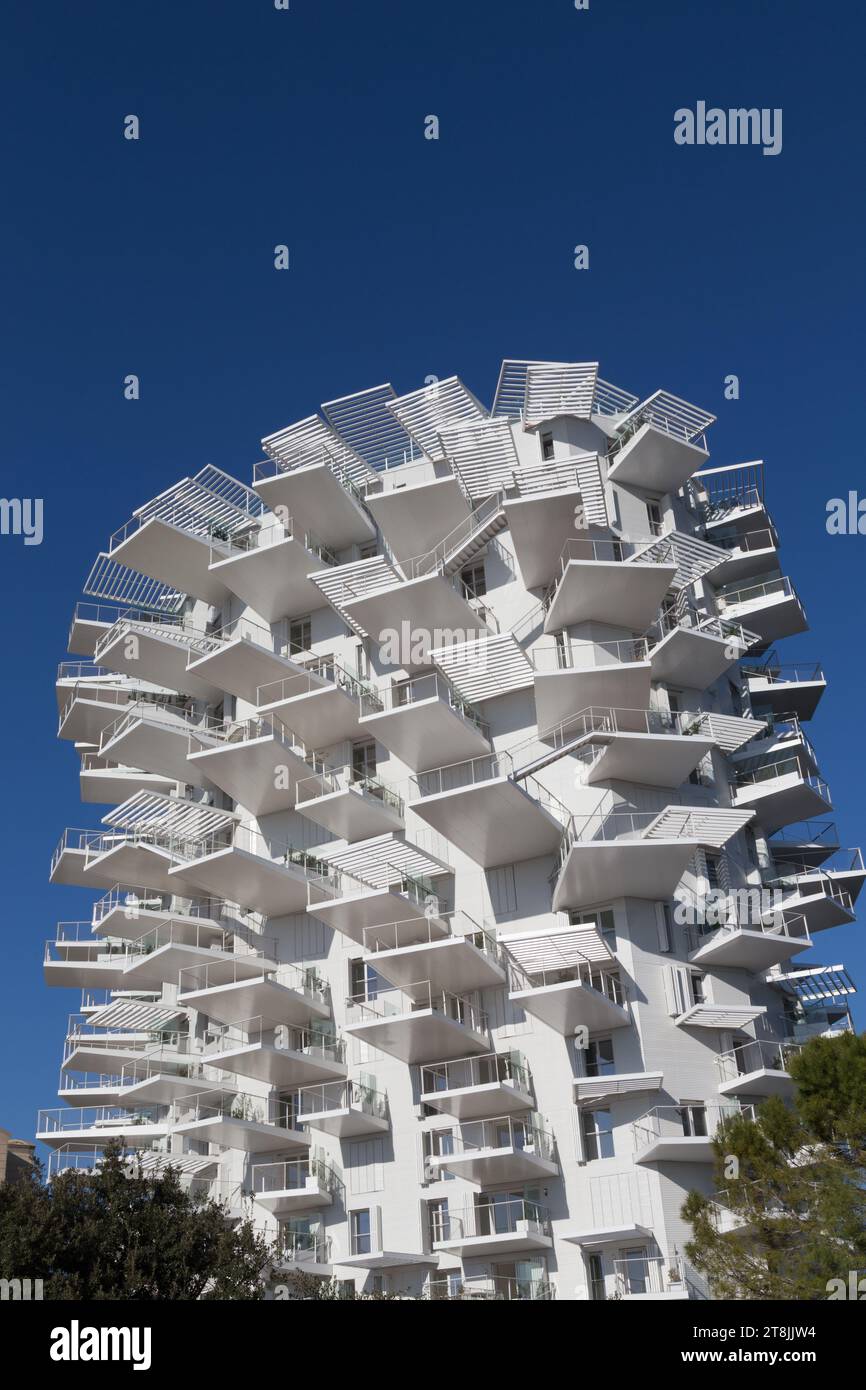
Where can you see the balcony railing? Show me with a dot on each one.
(232, 1105)
(488, 767)
(742, 542)
(755, 593)
(776, 672)
(501, 1132)
(587, 656)
(775, 771)
(329, 780)
(75, 1118)
(690, 1121)
(638, 1275)
(293, 1175)
(391, 1003)
(607, 982)
(490, 1217)
(135, 901)
(317, 675)
(409, 932)
(266, 1032)
(756, 1055)
(330, 1096)
(790, 926)
(402, 694)
(229, 544)
(614, 550)
(218, 974)
(304, 1247)
(490, 1288)
(478, 1070)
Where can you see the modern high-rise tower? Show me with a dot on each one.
(463, 844)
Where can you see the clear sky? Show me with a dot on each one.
(409, 256)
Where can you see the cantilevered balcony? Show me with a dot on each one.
(730, 497)
(429, 601)
(419, 1023)
(823, 896)
(656, 748)
(238, 861)
(236, 1120)
(573, 675)
(681, 1133)
(346, 1109)
(155, 737)
(258, 761)
(82, 1126)
(571, 996)
(242, 655)
(753, 946)
(417, 504)
(750, 553)
(106, 783)
(75, 958)
(493, 1224)
(270, 1051)
(322, 704)
(784, 687)
(659, 444)
(641, 1278)
(506, 1148)
(267, 566)
(311, 486)
(448, 953)
(423, 720)
(351, 805)
(169, 538)
(158, 648)
(688, 649)
(490, 1288)
(382, 880)
(608, 581)
(780, 792)
(134, 912)
(470, 1088)
(233, 990)
(615, 854)
(494, 811)
(297, 1185)
(94, 1049)
(769, 606)
(757, 1068)
(541, 504)
(810, 843)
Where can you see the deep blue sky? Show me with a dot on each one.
(409, 257)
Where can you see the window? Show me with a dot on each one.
(363, 761)
(674, 701)
(368, 550)
(474, 580)
(437, 1220)
(634, 1268)
(597, 1134)
(713, 864)
(599, 1057)
(654, 517)
(595, 1269)
(693, 1117)
(361, 1232)
(547, 445)
(364, 981)
(697, 988)
(603, 918)
(300, 634)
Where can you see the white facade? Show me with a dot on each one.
(421, 758)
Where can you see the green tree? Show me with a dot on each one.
(113, 1233)
(790, 1207)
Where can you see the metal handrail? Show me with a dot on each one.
(419, 995)
(325, 669)
(328, 1096)
(404, 693)
(462, 1072)
(756, 1055)
(259, 1031)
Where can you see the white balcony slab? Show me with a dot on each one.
(318, 501)
(159, 657)
(240, 666)
(278, 1066)
(783, 800)
(85, 972)
(656, 461)
(234, 1132)
(86, 717)
(509, 1162)
(419, 1035)
(746, 563)
(161, 1088)
(763, 1081)
(158, 744)
(540, 525)
(617, 685)
(479, 1101)
(571, 1004)
(451, 963)
(135, 1134)
(260, 996)
(424, 732)
(175, 557)
(283, 1201)
(321, 715)
(527, 1236)
(771, 616)
(598, 871)
(494, 822)
(655, 760)
(745, 949)
(134, 919)
(351, 812)
(431, 605)
(108, 786)
(136, 861)
(349, 1121)
(265, 885)
(354, 914)
(786, 697)
(820, 909)
(261, 774)
(609, 591)
(414, 518)
(85, 635)
(693, 659)
(164, 964)
(272, 579)
(677, 1148)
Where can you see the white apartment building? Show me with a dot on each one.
(464, 841)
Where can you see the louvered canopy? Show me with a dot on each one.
(556, 948)
(425, 413)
